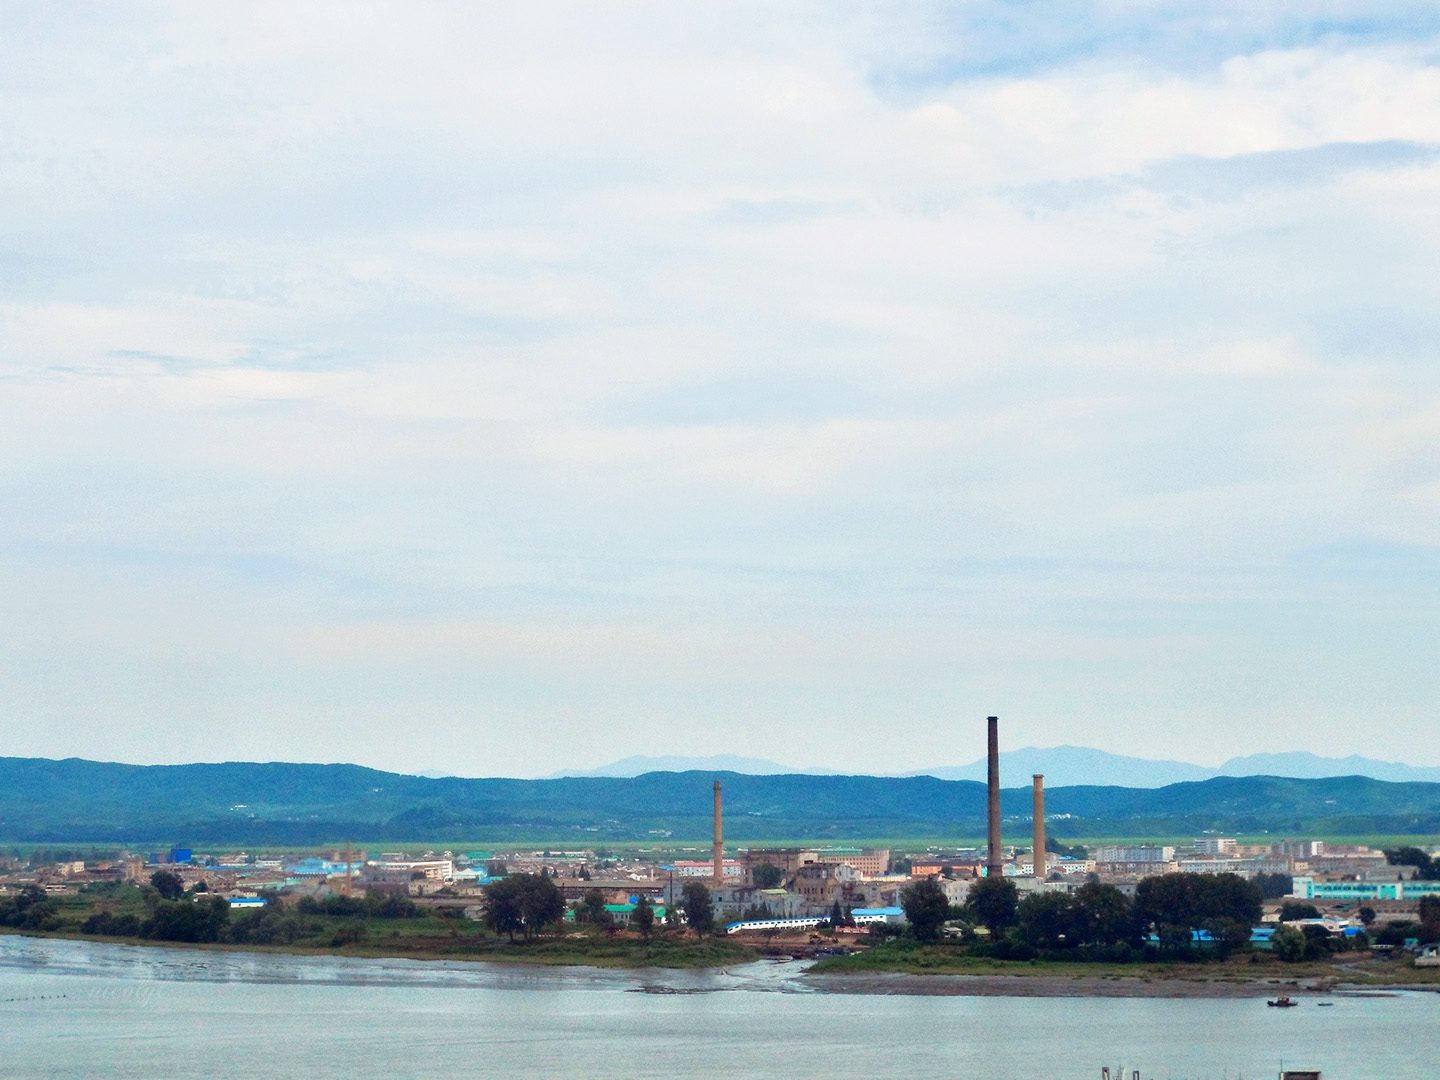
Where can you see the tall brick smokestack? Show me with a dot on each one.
(1040, 827)
(719, 841)
(993, 866)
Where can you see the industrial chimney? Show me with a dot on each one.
(719, 841)
(993, 866)
(1039, 827)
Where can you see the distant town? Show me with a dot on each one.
(1296, 895)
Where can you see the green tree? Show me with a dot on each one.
(384, 905)
(503, 911)
(191, 921)
(1288, 944)
(767, 876)
(167, 884)
(1430, 916)
(526, 904)
(1320, 943)
(1274, 886)
(1413, 856)
(993, 902)
(1297, 909)
(1186, 902)
(642, 918)
(1049, 920)
(1395, 934)
(1228, 934)
(1104, 915)
(29, 909)
(592, 909)
(837, 914)
(925, 907)
(1367, 915)
(350, 932)
(541, 905)
(699, 908)
(110, 924)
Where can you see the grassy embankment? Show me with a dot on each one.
(911, 958)
(425, 936)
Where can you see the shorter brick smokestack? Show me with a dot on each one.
(719, 841)
(1040, 827)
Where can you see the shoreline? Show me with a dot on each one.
(503, 954)
(884, 983)
(861, 984)
(1193, 984)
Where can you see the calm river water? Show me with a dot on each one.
(79, 1009)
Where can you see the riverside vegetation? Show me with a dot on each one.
(524, 923)
(1177, 925)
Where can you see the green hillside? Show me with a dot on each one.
(46, 801)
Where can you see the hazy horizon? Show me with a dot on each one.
(439, 769)
(509, 389)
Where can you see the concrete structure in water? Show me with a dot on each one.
(994, 863)
(718, 873)
(1038, 859)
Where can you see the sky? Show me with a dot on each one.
(503, 388)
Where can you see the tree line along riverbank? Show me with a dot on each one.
(1093, 932)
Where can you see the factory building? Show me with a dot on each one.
(1308, 888)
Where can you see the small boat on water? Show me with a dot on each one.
(1282, 1003)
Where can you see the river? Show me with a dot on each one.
(81, 1009)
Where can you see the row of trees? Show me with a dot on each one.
(530, 905)
(524, 904)
(168, 913)
(1095, 916)
(1412, 856)
(29, 909)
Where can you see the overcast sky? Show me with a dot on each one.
(500, 388)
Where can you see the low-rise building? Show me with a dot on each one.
(929, 867)
(1310, 888)
(1137, 853)
(1214, 845)
(734, 869)
(870, 862)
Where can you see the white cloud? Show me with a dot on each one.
(771, 362)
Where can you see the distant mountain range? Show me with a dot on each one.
(640, 764)
(1066, 766)
(247, 803)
